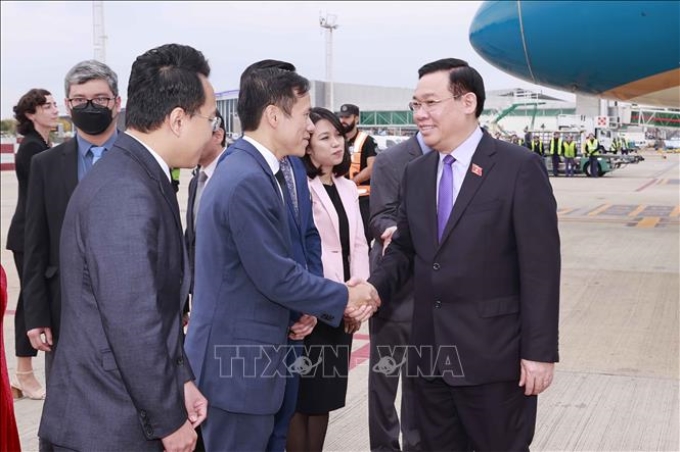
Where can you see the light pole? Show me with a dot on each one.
(329, 23)
(98, 33)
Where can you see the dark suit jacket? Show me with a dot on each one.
(117, 382)
(247, 283)
(305, 240)
(388, 169)
(54, 176)
(488, 294)
(31, 145)
(305, 237)
(189, 233)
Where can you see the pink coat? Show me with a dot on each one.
(326, 220)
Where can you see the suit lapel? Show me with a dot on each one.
(245, 146)
(69, 167)
(483, 159)
(317, 187)
(190, 207)
(427, 205)
(348, 201)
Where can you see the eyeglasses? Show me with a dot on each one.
(214, 122)
(427, 105)
(82, 102)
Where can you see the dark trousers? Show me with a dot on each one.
(489, 417)
(277, 440)
(594, 171)
(555, 164)
(365, 210)
(383, 421)
(227, 431)
(22, 344)
(569, 165)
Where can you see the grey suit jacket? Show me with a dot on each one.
(388, 169)
(117, 381)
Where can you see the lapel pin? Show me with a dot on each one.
(476, 169)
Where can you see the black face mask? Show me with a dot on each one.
(92, 120)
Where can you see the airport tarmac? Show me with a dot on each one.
(616, 386)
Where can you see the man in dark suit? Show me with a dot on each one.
(54, 175)
(120, 378)
(390, 327)
(477, 229)
(306, 251)
(247, 279)
(206, 167)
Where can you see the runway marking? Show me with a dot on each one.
(637, 210)
(599, 210)
(651, 182)
(359, 356)
(675, 212)
(648, 222)
(565, 211)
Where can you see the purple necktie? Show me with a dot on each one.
(445, 204)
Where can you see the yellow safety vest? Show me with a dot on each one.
(569, 149)
(591, 147)
(355, 167)
(559, 146)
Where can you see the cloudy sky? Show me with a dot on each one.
(377, 43)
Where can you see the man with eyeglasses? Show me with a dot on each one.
(93, 103)
(477, 231)
(120, 379)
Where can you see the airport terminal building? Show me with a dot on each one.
(384, 110)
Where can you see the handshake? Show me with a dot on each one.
(363, 300)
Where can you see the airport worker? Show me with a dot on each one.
(591, 150)
(537, 146)
(363, 149)
(247, 280)
(477, 231)
(555, 151)
(120, 378)
(569, 152)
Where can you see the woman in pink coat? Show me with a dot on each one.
(344, 254)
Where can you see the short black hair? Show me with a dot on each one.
(462, 79)
(268, 82)
(28, 103)
(161, 80)
(223, 127)
(342, 168)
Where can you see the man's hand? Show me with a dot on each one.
(535, 376)
(363, 300)
(181, 440)
(36, 337)
(386, 237)
(302, 328)
(351, 325)
(195, 403)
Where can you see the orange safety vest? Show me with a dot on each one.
(355, 167)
